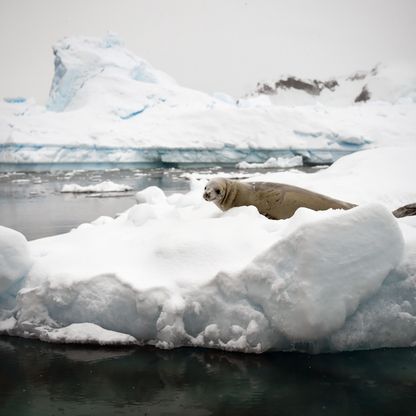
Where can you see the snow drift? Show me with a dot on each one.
(108, 105)
(175, 271)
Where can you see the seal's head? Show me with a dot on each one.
(215, 190)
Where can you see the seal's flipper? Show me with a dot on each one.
(405, 211)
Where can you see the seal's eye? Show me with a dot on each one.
(217, 191)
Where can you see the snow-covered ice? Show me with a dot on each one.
(389, 82)
(280, 162)
(106, 186)
(108, 105)
(175, 271)
(87, 333)
(15, 260)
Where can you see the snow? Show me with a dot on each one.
(389, 82)
(15, 260)
(86, 333)
(77, 60)
(106, 186)
(280, 162)
(108, 105)
(309, 282)
(176, 271)
(384, 175)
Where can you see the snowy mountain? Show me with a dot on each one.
(390, 83)
(107, 105)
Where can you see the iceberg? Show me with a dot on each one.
(80, 62)
(107, 105)
(175, 271)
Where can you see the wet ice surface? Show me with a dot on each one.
(47, 379)
(32, 202)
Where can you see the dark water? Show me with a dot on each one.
(46, 379)
(32, 202)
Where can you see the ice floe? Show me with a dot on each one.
(106, 186)
(175, 271)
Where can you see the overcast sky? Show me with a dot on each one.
(211, 45)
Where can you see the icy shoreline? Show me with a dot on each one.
(28, 154)
(174, 271)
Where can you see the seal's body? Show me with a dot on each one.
(273, 200)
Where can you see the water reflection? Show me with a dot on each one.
(38, 378)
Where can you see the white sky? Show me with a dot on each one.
(211, 45)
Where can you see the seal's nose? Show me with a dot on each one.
(206, 196)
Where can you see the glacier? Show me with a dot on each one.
(107, 105)
(175, 271)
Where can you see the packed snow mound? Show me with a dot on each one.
(108, 105)
(184, 288)
(106, 186)
(312, 280)
(151, 195)
(385, 82)
(15, 260)
(176, 271)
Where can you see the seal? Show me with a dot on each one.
(273, 200)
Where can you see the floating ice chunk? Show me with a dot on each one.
(15, 259)
(21, 181)
(87, 333)
(280, 162)
(106, 186)
(174, 271)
